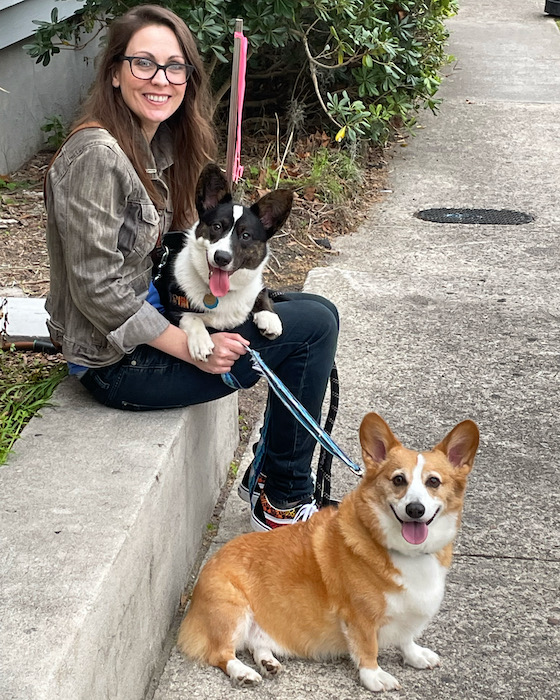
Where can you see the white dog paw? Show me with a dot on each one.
(268, 323)
(376, 680)
(200, 345)
(270, 667)
(198, 339)
(242, 676)
(420, 657)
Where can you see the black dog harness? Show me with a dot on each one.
(171, 295)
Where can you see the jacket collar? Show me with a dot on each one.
(161, 151)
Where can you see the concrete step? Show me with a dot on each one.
(102, 514)
(26, 316)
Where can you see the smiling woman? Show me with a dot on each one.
(125, 176)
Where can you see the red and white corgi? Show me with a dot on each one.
(351, 580)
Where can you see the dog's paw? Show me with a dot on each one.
(242, 676)
(269, 666)
(377, 680)
(421, 657)
(200, 345)
(198, 339)
(268, 323)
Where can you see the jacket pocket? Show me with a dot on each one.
(139, 232)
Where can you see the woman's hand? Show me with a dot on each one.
(228, 347)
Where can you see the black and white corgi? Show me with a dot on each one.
(215, 279)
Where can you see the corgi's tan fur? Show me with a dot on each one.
(351, 579)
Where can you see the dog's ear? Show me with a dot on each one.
(460, 445)
(212, 188)
(376, 439)
(273, 210)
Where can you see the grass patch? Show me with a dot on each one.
(26, 385)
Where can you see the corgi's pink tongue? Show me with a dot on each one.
(219, 282)
(414, 532)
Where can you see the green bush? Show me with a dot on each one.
(360, 66)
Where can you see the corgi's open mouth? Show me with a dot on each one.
(414, 531)
(218, 281)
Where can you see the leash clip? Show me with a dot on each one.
(161, 264)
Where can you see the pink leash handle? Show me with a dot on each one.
(237, 167)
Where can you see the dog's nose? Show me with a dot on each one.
(222, 258)
(415, 510)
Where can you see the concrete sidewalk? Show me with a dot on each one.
(441, 322)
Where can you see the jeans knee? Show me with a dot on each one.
(325, 322)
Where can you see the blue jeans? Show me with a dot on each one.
(302, 357)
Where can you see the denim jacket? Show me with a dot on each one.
(101, 228)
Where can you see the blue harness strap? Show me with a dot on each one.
(296, 409)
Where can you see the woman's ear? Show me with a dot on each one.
(115, 81)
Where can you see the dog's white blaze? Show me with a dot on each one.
(417, 492)
(221, 245)
(224, 244)
(237, 213)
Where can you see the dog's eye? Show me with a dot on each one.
(216, 227)
(245, 236)
(433, 482)
(399, 480)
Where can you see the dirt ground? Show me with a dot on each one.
(304, 243)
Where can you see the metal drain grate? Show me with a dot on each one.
(503, 217)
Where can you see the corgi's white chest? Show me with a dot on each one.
(411, 609)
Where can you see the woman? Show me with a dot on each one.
(124, 177)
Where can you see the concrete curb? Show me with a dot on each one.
(102, 514)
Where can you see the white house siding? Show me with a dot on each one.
(35, 92)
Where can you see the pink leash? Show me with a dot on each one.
(237, 167)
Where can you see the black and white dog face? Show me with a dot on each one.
(234, 236)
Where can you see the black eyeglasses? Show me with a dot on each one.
(146, 69)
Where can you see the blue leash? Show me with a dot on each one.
(296, 409)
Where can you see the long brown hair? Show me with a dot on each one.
(191, 125)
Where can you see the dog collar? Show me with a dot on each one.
(179, 302)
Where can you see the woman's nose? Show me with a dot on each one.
(160, 78)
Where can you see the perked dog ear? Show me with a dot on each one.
(273, 210)
(212, 188)
(461, 444)
(376, 439)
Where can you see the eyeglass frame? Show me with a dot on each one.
(159, 67)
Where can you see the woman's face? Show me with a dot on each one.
(157, 99)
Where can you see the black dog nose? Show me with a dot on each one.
(222, 258)
(415, 510)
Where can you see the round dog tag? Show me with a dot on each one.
(210, 301)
